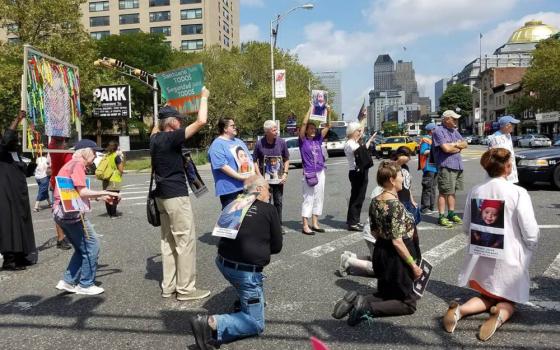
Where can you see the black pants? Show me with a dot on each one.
(358, 183)
(228, 198)
(111, 208)
(393, 307)
(277, 192)
(428, 199)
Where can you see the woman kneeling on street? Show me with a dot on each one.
(500, 224)
(394, 256)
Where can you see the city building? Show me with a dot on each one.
(379, 104)
(405, 79)
(439, 88)
(425, 104)
(331, 81)
(404, 113)
(188, 25)
(383, 73)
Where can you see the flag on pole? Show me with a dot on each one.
(363, 112)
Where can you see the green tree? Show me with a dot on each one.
(543, 77)
(392, 129)
(457, 95)
(520, 105)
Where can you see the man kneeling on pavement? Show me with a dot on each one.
(241, 262)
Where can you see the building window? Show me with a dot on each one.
(226, 14)
(191, 14)
(128, 4)
(99, 6)
(99, 35)
(163, 30)
(226, 28)
(191, 45)
(154, 3)
(99, 21)
(130, 18)
(160, 16)
(187, 2)
(129, 31)
(12, 28)
(226, 41)
(189, 29)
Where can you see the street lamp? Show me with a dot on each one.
(479, 103)
(136, 73)
(273, 36)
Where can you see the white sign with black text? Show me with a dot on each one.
(112, 102)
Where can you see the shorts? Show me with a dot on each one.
(449, 181)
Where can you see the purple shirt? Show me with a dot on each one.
(276, 149)
(312, 154)
(440, 136)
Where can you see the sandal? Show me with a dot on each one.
(490, 326)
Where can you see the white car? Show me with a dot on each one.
(293, 149)
(534, 140)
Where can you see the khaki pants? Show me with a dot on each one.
(178, 245)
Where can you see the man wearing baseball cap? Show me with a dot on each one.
(427, 164)
(502, 139)
(447, 146)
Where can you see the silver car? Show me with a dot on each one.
(534, 140)
(293, 149)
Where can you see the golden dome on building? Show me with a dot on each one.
(531, 32)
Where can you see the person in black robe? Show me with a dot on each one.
(17, 239)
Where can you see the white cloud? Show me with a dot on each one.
(406, 20)
(249, 32)
(252, 3)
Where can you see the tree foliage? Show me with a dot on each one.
(457, 95)
(543, 77)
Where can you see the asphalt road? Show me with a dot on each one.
(301, 286)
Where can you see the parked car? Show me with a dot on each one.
(534, 140)
(472, 139)
(484, 140)
(393, 143)
(515, 139)
(539, 165)
(293, 149)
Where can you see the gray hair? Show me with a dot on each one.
(352, 128)
(269, 124)
(163, 123)
(253, 182)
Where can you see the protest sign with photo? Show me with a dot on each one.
(194, 179)
(320, 100)
(273, 169)
(243, 159)
(420, 284)
(487, 228)
(232, 216)
(181, 88)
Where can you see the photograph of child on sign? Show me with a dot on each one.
(273, 169)
(319, 99)
(232, 216)
(243, 159)
(487, 228)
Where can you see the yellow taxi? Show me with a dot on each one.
(392, 143)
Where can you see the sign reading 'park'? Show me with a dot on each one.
(112, 101)
(181, 88)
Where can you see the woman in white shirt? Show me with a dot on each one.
(358, 177)
(503, 232)
(42, 177)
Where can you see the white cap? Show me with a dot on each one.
(450, 113)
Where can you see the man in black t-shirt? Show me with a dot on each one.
(241, 261)
(178, 237)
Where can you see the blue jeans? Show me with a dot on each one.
(83, 263)
(250, 320)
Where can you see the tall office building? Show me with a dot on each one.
(187, 24)
(331, 81)
(405, 79)
(439, 89)
(383, 73)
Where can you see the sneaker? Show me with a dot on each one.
(167, 295)
(490, 326)
(63, 285)
(91, 290)
(359, 313)
(194, 295)
(443, 221)
(456, 219)
(344, 305)
(63, 244)
(452, 316)
(202, 332)
(355, 228)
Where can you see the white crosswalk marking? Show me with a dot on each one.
(446, 249)
(553, 271)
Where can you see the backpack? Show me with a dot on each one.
(104, 170)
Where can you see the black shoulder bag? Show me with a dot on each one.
(151, 205)
(362, 158)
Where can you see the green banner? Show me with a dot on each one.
(181, 88)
